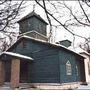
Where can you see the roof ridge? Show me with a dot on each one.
(35, 32)
(42, 41)
(32, 14)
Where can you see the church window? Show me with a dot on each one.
(68, 68)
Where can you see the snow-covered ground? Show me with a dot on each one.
(84, 87)
(81, 87)
(5, 88)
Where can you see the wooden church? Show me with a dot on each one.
(35, 61)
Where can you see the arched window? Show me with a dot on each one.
(68, 68)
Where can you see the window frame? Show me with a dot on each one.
(77, 71)
(68, 68)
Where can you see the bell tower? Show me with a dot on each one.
(33, 22)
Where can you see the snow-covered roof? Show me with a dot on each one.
(34, 32)
(76, 49)
(56, 45)
(84, 52)
(45, 42)
(17, 55)
(79, 51)
(28, 37)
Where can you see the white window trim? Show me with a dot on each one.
(68, 68)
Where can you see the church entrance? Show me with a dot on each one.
(24, 71)
(7, 68)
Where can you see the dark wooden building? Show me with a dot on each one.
(51, 63)
(32, 60)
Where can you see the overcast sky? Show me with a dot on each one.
(60, 33)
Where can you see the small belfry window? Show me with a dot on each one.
(68, 68)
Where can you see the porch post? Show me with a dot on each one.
(15, 73)
(2, 73)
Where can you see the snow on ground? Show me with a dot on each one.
(81, 87)
(84, 87)
(5, 88)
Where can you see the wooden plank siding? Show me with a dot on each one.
(33, 24)
(49, 63)
(44, 70)
(44, 67)
(75, 61)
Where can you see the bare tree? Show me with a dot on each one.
(85, 45)
(9, 10)
(83, 19)
(77, 18)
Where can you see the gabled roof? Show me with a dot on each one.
(46, 43)
(31, 15)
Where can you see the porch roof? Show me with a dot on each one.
(17, 55)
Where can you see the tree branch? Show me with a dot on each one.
(76, 17)
(84, 11)
(60, 22)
